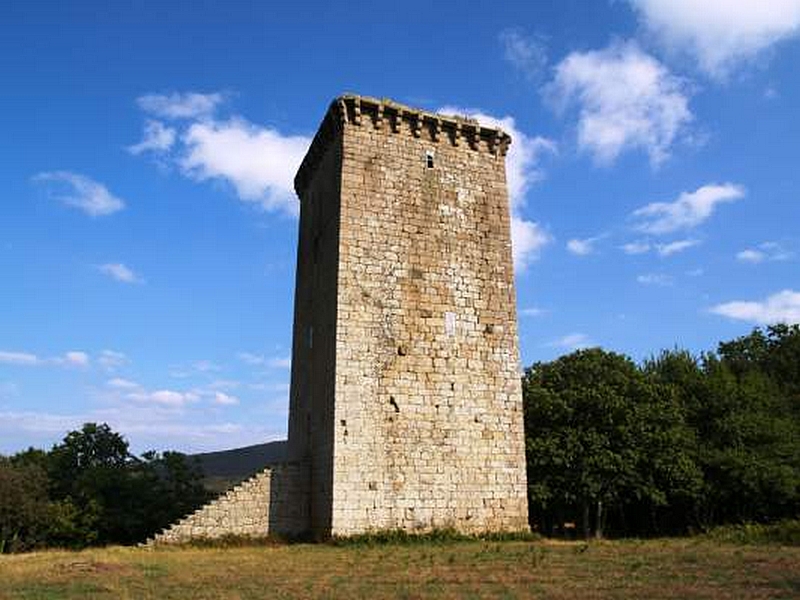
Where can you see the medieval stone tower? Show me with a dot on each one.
(405, 396)
(405, 402)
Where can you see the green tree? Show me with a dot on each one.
(600, 436)
(89, 471)
(24, 506)
(122, 498)
(740, 404)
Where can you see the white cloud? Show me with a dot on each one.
(205, 366)
(283, 388)
(572, 341)
(259, 162)
(188, 105)
(522, 170)
(720, 34)
(225, 399)
(583, 247)
(655, 279)
(224, 384)
(122, 384)
(164, 397)
(768, 251)
(110, 359)
(275, 362)
(688, 211)
(782, 307)
(76, 359)
(157, 137)
(526, 53)
(18, 358)
(627, 100)
(81, 192)
(751, 256)
(675, 247)
(8, 389)
(146, 426)
(527, 240)
(251, 359)
(636, 248)
(531, 311)
(280, 362)
(120, 272)
(73, 358)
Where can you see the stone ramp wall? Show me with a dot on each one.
(272, 502)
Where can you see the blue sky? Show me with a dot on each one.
(148, 225)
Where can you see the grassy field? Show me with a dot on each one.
(674, 568)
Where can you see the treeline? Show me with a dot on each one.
(90, 490)
(675, 445)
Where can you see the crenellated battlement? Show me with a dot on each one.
(398, 119)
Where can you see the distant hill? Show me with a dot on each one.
(226, 468)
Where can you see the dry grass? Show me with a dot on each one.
(682, 568)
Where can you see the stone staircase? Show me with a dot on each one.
(271, 502)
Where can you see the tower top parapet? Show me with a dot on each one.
(395, 118)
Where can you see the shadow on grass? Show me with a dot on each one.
(377, 538)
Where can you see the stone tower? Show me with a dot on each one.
(405, 399)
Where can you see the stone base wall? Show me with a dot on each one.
(272, 502)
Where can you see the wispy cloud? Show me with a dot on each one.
(676, 247)
(157, 138)
(163, 397)
(120, 272)
(18, 358)
(662, 249)
(224, 384)
(768, 251)
(528, 239)
(81, 192)
(122, 384)
(659, 279)
(225, 399)
(128, 390)
(527, 53)
(636, 248)
(626, 100)
(583, 247)
(111, 359)
(572, 341)
(720, 34)
(205, 366)
(688, 211)
(73, 358)
(532, 311)
(189, 105)
(782, 307)
(146, 425)
(275, 362)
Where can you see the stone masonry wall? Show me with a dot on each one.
(274, 501)
(427, 418)
(314, 339)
